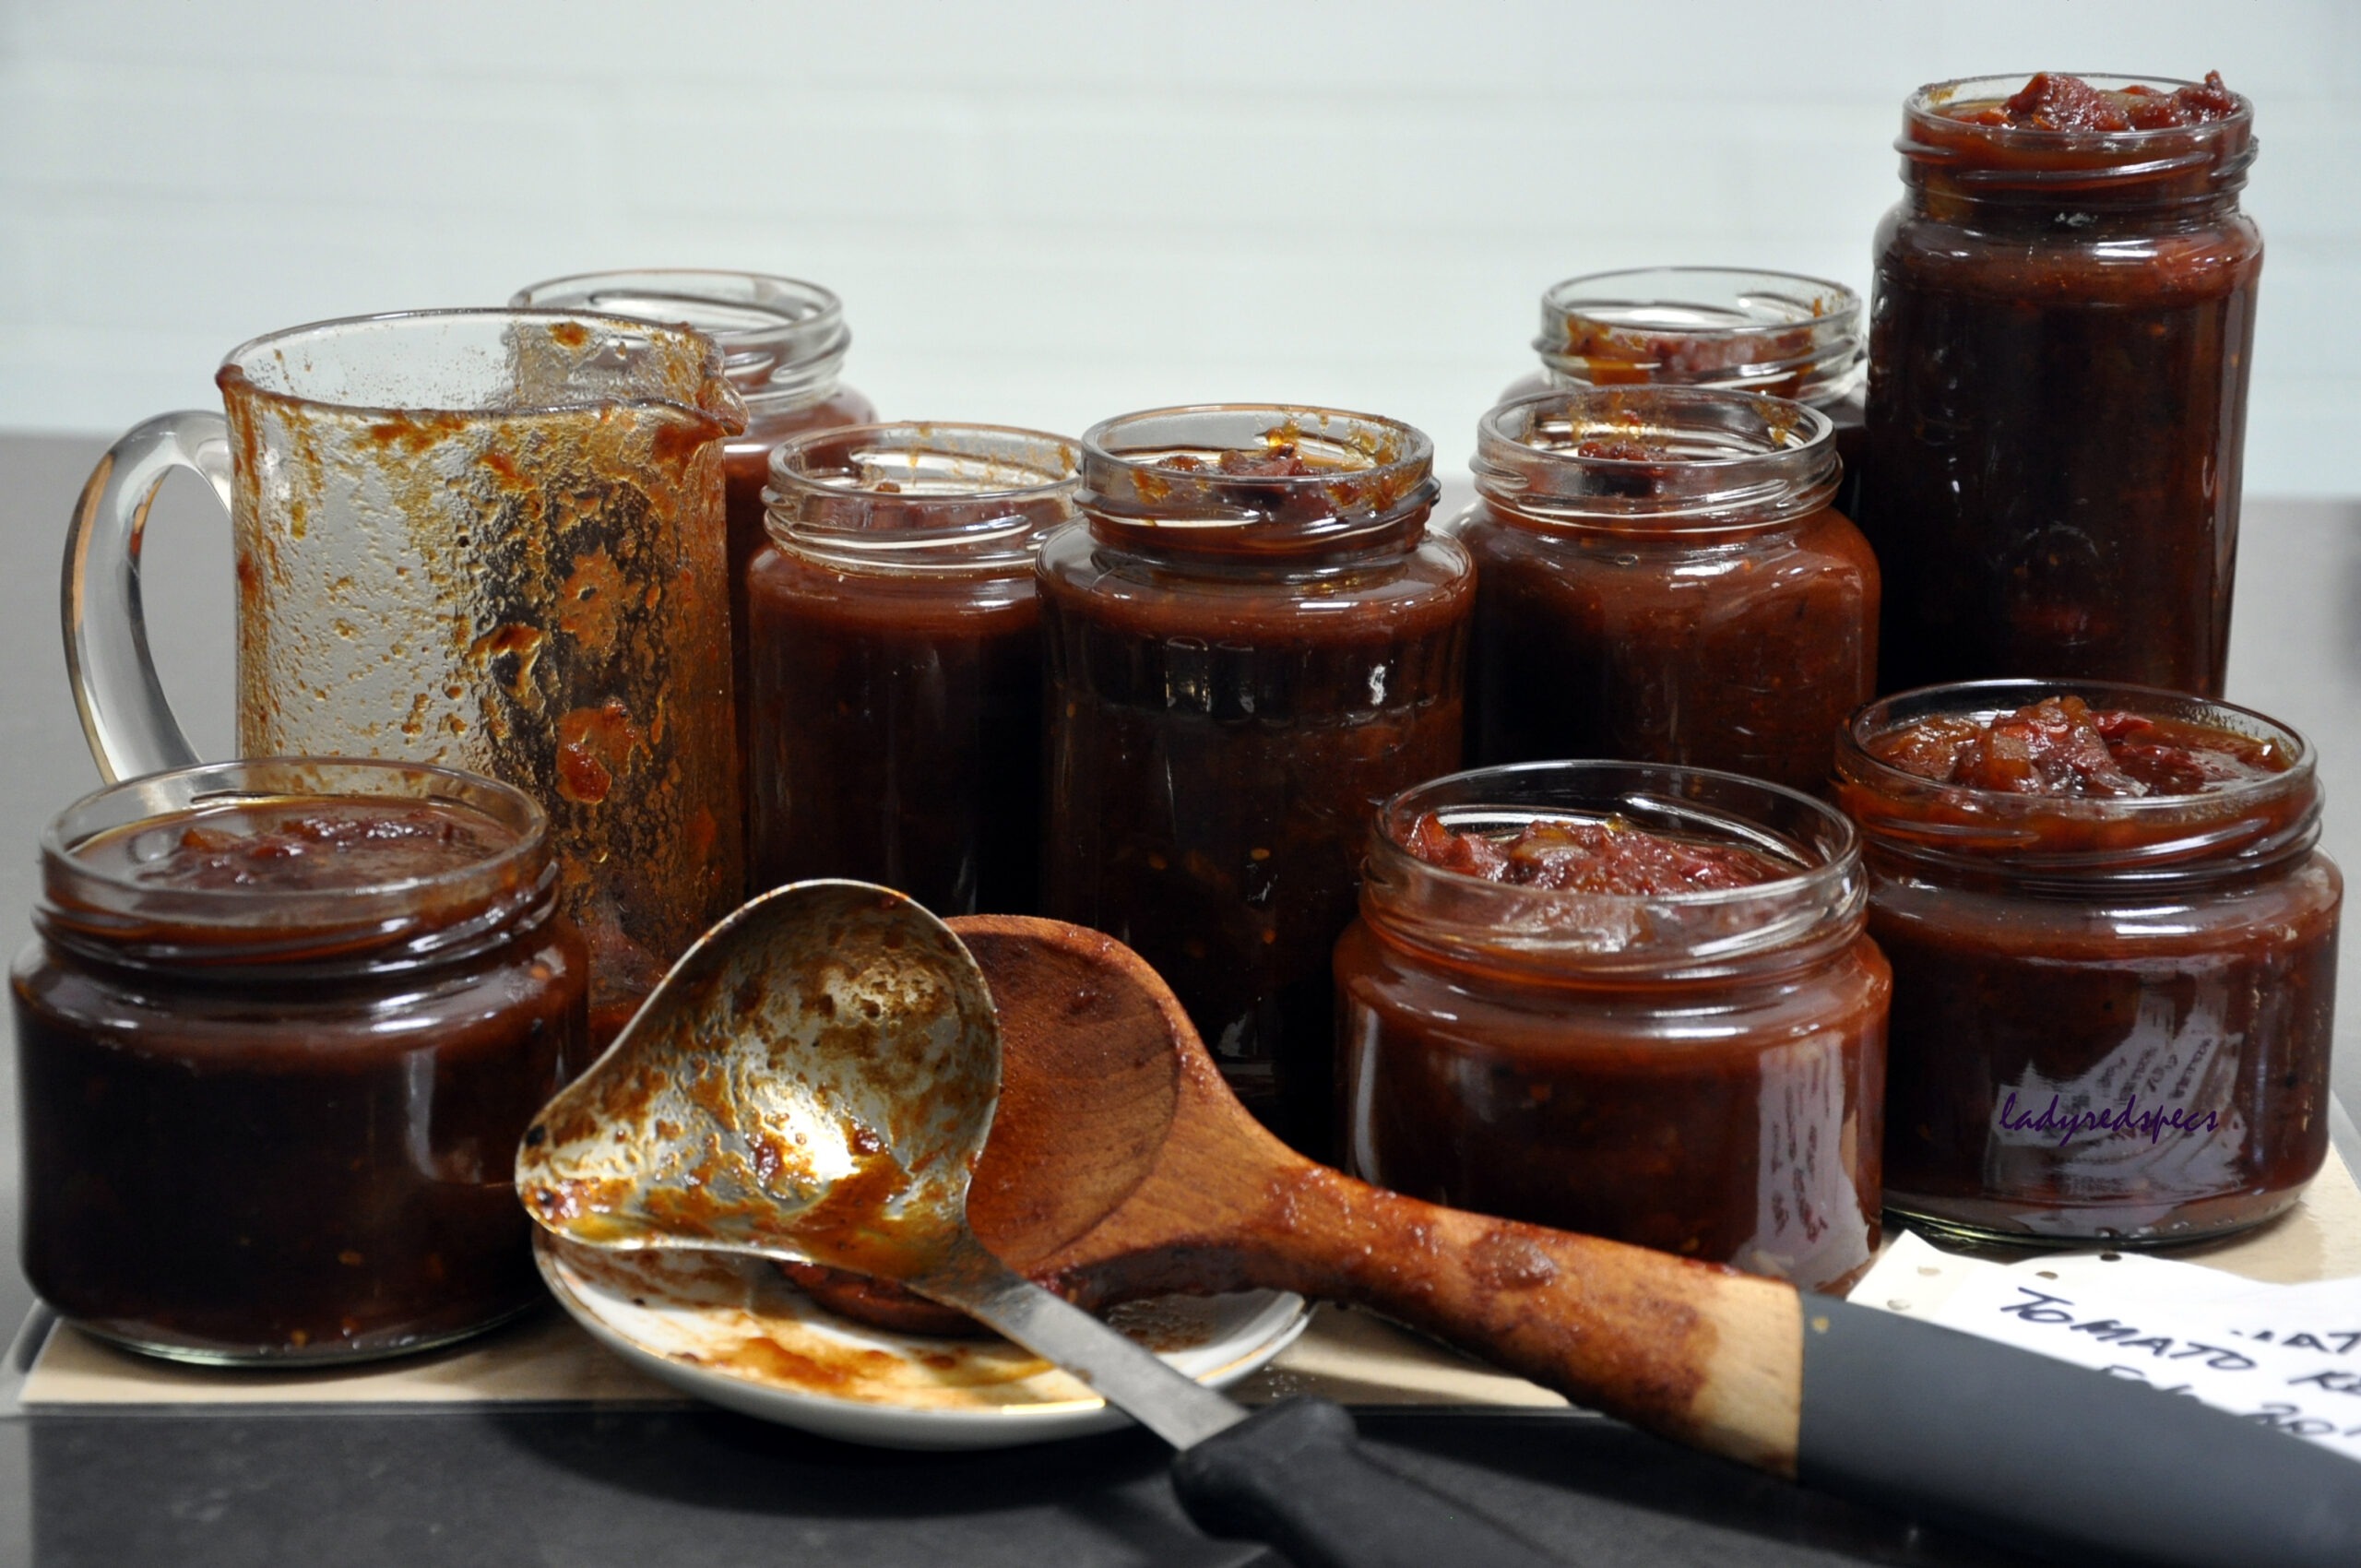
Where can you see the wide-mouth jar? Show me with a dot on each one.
(281, 1028)
(896, 686)
(1251, 639)
(1698, 1070)
(1668, 556)
(2112, 1013)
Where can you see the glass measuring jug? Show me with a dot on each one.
(486, 538)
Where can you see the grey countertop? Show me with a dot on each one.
(649, 1487)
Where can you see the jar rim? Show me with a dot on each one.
(1727, 457)
(355, 923)
(1378, 482)
(974, 496)
(782, 339)
(2245, 825)
(1990, 699)
(2162, 164)
(1927, 101)
(477, 354)
(1811, 333)
(1669, 935)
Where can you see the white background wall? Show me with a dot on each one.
(1043, 211)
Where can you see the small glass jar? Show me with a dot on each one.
(1701, 1072)
(2063, 325)
(896, 686)
(1660, 577)
(1785, 336)
(277, 1039)
(782, 341)
(1252, 640)
(2112, 1016)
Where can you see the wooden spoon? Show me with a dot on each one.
(1120, 1165)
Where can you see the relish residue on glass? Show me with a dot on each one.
(295, 845)
(1609, 857)
(2061, 746)
(2052, 101)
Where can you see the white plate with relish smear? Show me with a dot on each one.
(733, 1330)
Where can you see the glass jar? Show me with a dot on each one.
(782, 341)
(1785, 336)
(2111, 1016)
(2062, 327)
(897, 694)
(277, 1039)
(1252, 640)
(1660, 578)
(1699, 1072)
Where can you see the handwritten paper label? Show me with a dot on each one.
(2287, 1357)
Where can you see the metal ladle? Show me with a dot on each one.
(814, 1083)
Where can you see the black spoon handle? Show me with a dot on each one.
(1293, 1476)
(2009, 1444)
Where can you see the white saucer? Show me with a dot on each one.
(734, 1330)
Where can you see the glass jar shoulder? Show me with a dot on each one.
(1514, 1014)
(2066, 262)
(2124, 924)
(766, 428)
(787, 585)
(1730, 564)
(1427, 590)
(243, 1021)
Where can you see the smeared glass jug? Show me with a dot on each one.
(487, 538)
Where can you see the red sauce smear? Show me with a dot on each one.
(300, 846)
(1281, 461)
(2051, 102)
(2062, 746)
(1621, 449)
(1591, 857)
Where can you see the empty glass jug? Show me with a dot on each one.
(487, 538)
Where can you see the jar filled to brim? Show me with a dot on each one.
(1653, 1017)
(2113, 947)
(282, 1027)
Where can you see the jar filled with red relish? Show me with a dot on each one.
(896, 678)
(1785, 336)
(783, 342)
(281, 1028)
(2114, 948)
(2062, 325)
(1252, 640)
(1660, 577)
(1623, 999)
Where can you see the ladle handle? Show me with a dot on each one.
(1295, 1476)
(129, 725)
(1166, 1401)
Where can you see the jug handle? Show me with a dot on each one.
(129, 725)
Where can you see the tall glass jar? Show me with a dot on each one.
(1697, 1072)
(281, 1028)
(2062, 325)
(896, 695)
(1776, 333)
(2112, 1015)
(783, 342)
(1660, 577)
(1252, 640)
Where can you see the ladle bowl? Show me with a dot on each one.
(813, 1081)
